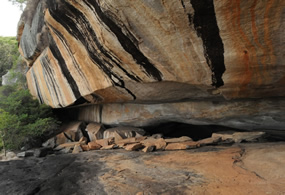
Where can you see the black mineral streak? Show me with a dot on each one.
(205, 24)
(126, 43)
(69, 17)
(49, 74)
(56, 53)
(37, 87)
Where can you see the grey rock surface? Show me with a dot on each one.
(209, 170)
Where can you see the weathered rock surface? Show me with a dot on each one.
(220, 57)
(256, 169)
(244, 114)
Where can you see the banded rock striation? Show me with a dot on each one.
(191, 55)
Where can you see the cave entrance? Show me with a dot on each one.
(196, 132)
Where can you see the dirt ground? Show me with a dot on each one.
(239, 169)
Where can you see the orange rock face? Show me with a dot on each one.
(154, 51)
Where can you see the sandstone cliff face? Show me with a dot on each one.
(93, 51)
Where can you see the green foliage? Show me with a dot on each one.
(22, 118)
(8, 123)
(8, 54)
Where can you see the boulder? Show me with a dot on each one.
(238, 137)
(94, 146)
(71, 132)
(104, 142)
(42, 152)
(159, 144)
(247, 136)
(95, 131)
(25, 154)
(133, 147)
(124, 132)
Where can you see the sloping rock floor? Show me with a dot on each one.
(243, 168)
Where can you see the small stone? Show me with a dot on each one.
(148, 149)
(94, 145)
(176, 140)
(25, 154)
(21, 154)
(77, 149)
(140, 193)
(132, 147)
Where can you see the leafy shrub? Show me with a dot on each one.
(22, 118)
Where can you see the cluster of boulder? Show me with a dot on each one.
(77, 137)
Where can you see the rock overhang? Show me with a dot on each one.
(175, 51)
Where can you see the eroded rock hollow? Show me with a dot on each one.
(142, 62)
